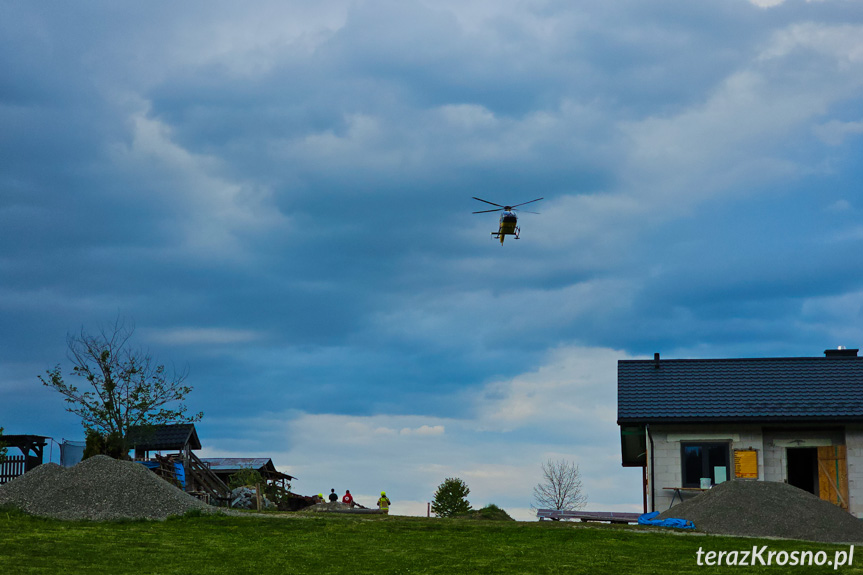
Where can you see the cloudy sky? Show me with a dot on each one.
(278, 196)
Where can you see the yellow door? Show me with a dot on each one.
(833, 475)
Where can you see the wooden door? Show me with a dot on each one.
(833, 475)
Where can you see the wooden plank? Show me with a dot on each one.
(205, 479)
(606, 516)
(833, 475)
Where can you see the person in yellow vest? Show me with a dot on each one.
(384, 503)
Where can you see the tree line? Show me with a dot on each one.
(561, 488)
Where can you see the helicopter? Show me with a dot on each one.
(508, 219)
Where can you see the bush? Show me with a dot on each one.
(112, 445)
(451, 498)
(281, 497)
(490, 512)
(246, 476)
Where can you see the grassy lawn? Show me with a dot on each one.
(362, 544)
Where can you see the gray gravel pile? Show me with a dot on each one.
(768, 509)
(99, 488)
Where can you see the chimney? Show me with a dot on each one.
(840, 352)
(656, 360)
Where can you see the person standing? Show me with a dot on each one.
(384, 503)
(348, 499)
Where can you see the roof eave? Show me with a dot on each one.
(739, 419)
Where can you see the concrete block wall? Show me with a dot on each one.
(775, 457)
(667, 471)
(664, 457)
(772, 464)
(854, 453)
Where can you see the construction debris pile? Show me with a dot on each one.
(768, 509)
(99, 488)
(247, 498)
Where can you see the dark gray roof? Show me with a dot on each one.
(790, 389)
(157, 437)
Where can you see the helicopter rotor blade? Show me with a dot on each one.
(486, 201)
(525, 211)
(523, 203)
(486, 211)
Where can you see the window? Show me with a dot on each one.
(701, 460)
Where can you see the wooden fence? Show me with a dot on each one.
(12, 467)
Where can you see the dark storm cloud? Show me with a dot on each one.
(279, 197)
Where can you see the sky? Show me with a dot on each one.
(278, 196)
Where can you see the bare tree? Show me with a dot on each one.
(127, 387)
(560, 488)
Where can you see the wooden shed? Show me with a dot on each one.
(182, 439)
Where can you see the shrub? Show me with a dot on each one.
(112, 445)
(493, 513)
(243, 477)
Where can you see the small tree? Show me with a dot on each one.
(451, 498)
(128, 388)
(245, 476)
(561, 487)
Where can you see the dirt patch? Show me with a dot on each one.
(99, 488)
(768, 509)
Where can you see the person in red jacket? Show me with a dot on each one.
(348, 499)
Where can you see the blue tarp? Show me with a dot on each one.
(179, 472)
(648, 519)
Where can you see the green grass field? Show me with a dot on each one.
(296, 543)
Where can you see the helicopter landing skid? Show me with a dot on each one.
(496, 235)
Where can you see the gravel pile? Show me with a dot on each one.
(99, 488)
(768, 509)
